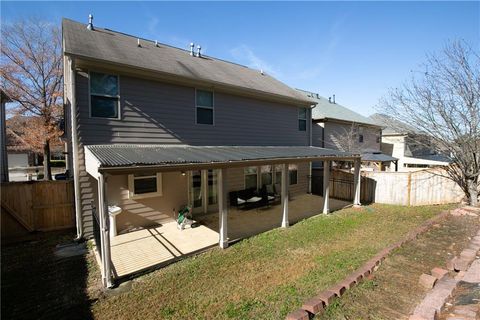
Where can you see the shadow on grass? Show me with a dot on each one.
(37, 284)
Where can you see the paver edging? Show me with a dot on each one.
(368, 267)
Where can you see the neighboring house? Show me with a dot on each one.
(337, 127)
(414, 151)
(156, 128)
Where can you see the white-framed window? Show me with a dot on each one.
(293, 173)
(104, 96)
(204, 113)
(251, 177)
(302, 119)
(144, 185)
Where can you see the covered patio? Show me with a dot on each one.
(138, 250)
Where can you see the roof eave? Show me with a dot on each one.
(218, 165)
(186, 80)
(326, 119)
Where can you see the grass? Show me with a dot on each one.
(269, 275)
(394, 291)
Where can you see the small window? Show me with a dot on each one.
(302, 119)
(293, 173)
(250, 177)
(204, 107)
(104, 97)
(360, 135)
(144, 186)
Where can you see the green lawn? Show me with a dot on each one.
(269, 275)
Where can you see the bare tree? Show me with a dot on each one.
(347, 140)
(443, 103)
(31, 75)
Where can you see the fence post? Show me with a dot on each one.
(409, 188)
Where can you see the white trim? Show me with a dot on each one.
(131, 185)
(91, 163)
(205, 107)
(119, 116)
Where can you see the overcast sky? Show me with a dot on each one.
(356, 50)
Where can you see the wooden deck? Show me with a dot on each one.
(139, 250)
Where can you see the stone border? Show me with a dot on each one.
(317, 304)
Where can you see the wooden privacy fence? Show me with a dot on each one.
(425, 187)
(341, 186)
(36, 206)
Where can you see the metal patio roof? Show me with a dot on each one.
(134, 155)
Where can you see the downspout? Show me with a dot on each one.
(310, 140)
(105, 236)
(74, 141)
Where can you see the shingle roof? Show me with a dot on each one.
(138, 155)
(391, 126)
(120, 48)
(377, 157)
(329, 110)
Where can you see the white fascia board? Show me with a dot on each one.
(91, 163)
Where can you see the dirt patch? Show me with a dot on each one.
(37, 284)
(394, 291)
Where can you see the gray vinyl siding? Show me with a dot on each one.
(159, 113)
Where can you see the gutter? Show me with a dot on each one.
(310, 166)
(217, 165)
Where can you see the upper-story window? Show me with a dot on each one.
(104, 96)
(302, 119)
(204, 107)
(360, 135)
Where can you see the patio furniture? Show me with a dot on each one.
(247, 199)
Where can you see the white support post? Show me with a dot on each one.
(356, 184)
(285, 184)
(204, 189)
(222, 207)
(104, 233)
(326, 186)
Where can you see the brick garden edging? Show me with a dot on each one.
(317, 304)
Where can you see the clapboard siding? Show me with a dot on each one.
(160, 113)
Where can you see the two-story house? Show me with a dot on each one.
(337, 127)
(159, 132)
(413, 150)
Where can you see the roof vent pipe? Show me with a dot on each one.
(192, 48)
(90, 22)
(330, 99)
(333, 98)
(156, 43)
(199, 49)
(138, 42)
